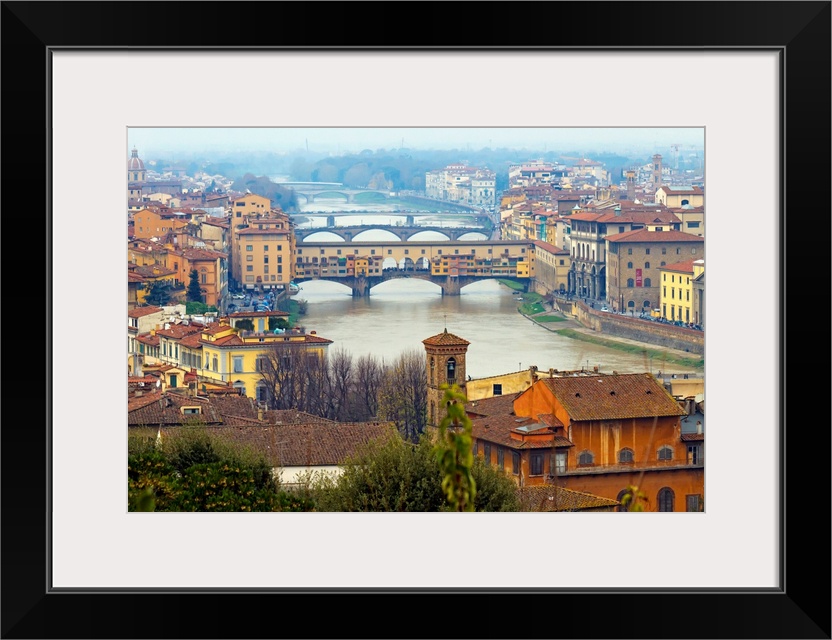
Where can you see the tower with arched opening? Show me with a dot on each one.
(445, 362)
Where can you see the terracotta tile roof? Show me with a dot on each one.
(612, 397)
(674, 191)
(685, 267)
(445, 339)
(203, 254)
(307, 444)
(179, 331)
(550, 247)
(498, 405)
(270, 231)
(547, 497)
(642, 217)
(192, 341)
(141, 312)
(293, 416)
(165, 409)
(134, 277)
(146, 338)
(549, 419)
(693, 437)
(258, 314)
(586, 217)
(643, 235)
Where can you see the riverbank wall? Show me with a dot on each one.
(615, 325)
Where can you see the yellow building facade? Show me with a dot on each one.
(263, 250)
(676, 299)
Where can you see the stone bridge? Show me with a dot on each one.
(402, 232)
(451, 264)
(450, 285)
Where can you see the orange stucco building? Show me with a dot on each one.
(598, 434)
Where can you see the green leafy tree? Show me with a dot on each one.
(396, 475)
(454, 452)
(246, 324)
(194, 293)
(278, 323)
(196, 308)
(158, 293)
(195, 470)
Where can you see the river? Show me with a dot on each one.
(399, 314)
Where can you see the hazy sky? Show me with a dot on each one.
(152, 141)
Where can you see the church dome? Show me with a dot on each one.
(135, 163)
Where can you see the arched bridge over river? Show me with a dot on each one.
(449, 264)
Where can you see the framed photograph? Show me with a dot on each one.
(78, 76)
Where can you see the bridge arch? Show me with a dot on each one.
(324, 235)
(430, 235)
(389, 236)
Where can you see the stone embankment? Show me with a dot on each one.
(685, 343)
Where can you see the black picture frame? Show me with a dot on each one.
(799, 609)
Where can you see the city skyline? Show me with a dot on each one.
(345, 140)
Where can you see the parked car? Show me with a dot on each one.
(604, 308)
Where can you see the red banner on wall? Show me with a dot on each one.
(638, 277)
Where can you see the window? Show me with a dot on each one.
(695, 454)
(665, 499)
(558, 463)
(249, 258)
(663, 263)
(249, 267)
(647, 282)
(678, 250)
(501, 458)
(693, 502)
(486, 452)
(693, 225)
(238, 364)
(647, 251)
(215, 364)
(451, 370)
(536, 464)
(265, 259)
(625, 456)
(620, 229)
(585, 458)
(249, 247)
(260, 363)
(432, 368)
(664, 251)
(497, 390)
(204, 278)
(630, 282)
(191, 411)
(631, 304)
(620, 497)
(665, 453)
(646, 265)
(515, 463)
(629, 251)
(629, 265)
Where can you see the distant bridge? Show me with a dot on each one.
(451, 264)
(403, 233)
(309, 191)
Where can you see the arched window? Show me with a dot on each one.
(663, 263)
(620, 498)
(585, 457)
(646, 265)
(665, 499)
(629, 265)
(625, 455)
(665, 453)
(630, 282)
(432, 368)
(451, 370)
(631, 304)
(647, 282)
(433, 412)
(646, 304)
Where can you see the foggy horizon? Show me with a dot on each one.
(152, 141)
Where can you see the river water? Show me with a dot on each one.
(399, 314)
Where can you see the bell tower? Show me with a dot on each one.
(445, 362)
(657, 170)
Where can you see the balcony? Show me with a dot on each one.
(652, 465)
